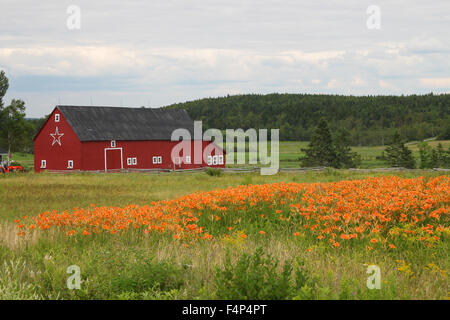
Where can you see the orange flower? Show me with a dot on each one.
(336, 244)
(391, 246)
(358, 209)
(262, 232)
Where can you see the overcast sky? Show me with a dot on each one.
(158, 52)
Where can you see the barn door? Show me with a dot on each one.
(113, 159)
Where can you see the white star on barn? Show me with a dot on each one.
(56, 137)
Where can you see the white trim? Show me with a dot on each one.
(221, 159)
(121, 157)
(159, 159)
(113, 143)
(57, 117)
(134, 161)
(188, 159)
(68, 164)
(210, 160)
(43, 164)
(129, 162)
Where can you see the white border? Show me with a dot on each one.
(121, 157)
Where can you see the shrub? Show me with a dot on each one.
(214, 172)
(149, 276)
(258, 277)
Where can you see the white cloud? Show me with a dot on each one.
(436, 82)
(358, 82)
(184, 49)
(383, 84)
(333, 83)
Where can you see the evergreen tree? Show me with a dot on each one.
(425, 154)
(398, 155)
(320, 151)
(345, 158)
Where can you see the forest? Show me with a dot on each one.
(370, 120)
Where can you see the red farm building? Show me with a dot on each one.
(76, 138)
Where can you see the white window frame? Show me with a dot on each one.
(57, 117)
(188, 159)
(155, 160)
(210, 161)
(134, 161)
(159, 159)
(70, 164)
(221, 159)
(43, 164)
(129, 161)
(113, 143)
(215, 161)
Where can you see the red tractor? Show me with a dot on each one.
(6, 169)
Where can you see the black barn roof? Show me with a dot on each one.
(114, 123)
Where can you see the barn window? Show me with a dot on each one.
(215, 161)
(188, 159)
(155, 160)
(221, 159)
(210, 161)
(113, 143)
(129, 161)
(56, 117)
(70, 164)
(159, 159)
(134, 161)
(43, 164)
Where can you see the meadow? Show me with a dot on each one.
(290, 152)
(236, 236)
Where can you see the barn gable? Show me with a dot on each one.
(114, 123)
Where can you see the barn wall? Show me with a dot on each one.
(56, 155)
(93, 154)
(90, 156)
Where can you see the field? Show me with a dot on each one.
(290, 152)
(287, 236)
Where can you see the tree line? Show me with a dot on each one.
(327, 150)
(369, 120)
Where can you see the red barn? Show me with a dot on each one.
(112, 138)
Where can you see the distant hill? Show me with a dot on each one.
(371, 120)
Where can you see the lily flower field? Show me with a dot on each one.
(314, 240)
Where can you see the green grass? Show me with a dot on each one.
(160, 268)
(290, 152)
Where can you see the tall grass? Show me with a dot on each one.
(158, 267)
